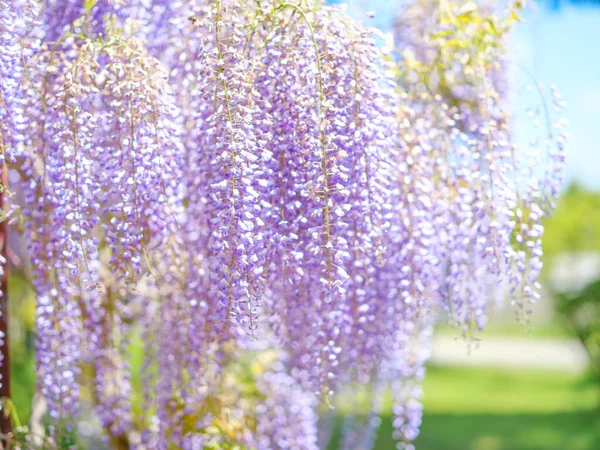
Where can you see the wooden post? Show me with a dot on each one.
(5, 422)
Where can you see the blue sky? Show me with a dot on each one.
(561, 47)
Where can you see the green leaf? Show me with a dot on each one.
(89, 4)
(513, 16)
(492, 26)
(468, 8)
(441, 34)
(9, 410)
(77, 23)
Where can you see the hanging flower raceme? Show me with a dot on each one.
(478, 175)
(307, 194)
(235, 145)
(141, 158)
(11, 71)
(105, 132)
(60, 17)
(61, 138)
(175, 40)
(369, 141)
(287, 417)
(329, 99)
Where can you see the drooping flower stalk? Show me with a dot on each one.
(286, 418)
(234, 145)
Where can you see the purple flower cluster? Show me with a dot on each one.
(13, 22)
(60, 17)
(286, 418)
(260, 179)
(102, 211)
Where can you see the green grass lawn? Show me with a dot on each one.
(579, 430)
(470, 409)
(465, 408)
(491, 409)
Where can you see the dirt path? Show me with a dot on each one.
(552, 354)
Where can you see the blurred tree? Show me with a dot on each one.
(575, 229)
(582, 314)
(575, 224)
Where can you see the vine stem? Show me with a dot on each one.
(74, 131)
(221, 71)
(135, 187)
(324, 164)
(324, 161)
